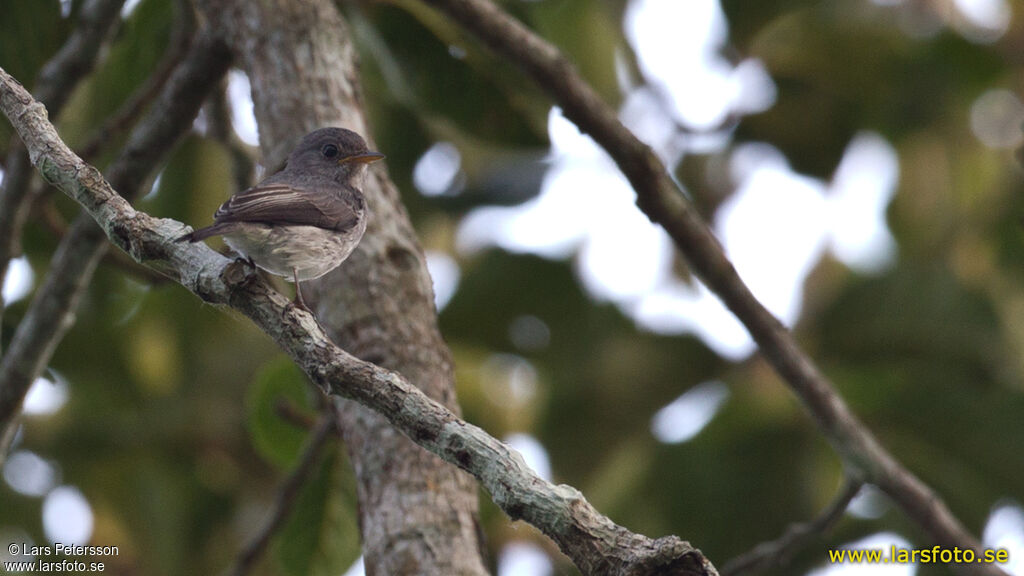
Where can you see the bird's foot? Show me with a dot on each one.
(245, 260)
(298, 304)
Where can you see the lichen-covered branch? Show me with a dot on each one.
(51, 312)
(664, 203)
(73, 61)
(595, 543)
(417, 514)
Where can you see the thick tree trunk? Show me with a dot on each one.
(418, 515)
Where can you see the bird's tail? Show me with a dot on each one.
(203, 233)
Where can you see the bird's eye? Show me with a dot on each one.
(330, 151)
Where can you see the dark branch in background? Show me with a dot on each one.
(287, 411)
(596, 544)
(664, 203)
(122, 119)
(75, 59)
(287, 494)
(51, 312)
(778, 552)
(58, 227)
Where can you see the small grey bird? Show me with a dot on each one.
(303, 221)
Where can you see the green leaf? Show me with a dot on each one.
(276, 439)
(321, 536)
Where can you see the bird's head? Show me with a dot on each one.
(336, 151)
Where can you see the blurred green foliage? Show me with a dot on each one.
(172, 432)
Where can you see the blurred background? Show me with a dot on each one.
(855, 158)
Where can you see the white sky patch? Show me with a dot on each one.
(524, 559)
(533, 452)
(357, 569)
(18, 280)
(1005, 529)
(677, 46)
(624, 256)
(154, 190)
(436, 171)
(129, 7)
(677, 308)
(67, 516)
(27, 473)
(243, 117)
(992, 16)
(445, 273)
(753, 89)
(45, 397)
(644, 115)
(581, 188)
(772, 228)
(684, 418)
(881, 540)
(775, 227)
(860, 193)
(869, 503)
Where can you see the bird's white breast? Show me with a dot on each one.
(309, 250)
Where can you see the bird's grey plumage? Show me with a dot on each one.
(306, 219)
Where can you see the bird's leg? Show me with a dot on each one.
(299, 302)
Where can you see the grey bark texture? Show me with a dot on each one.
(418, 515)
(75, 59)
(52, 311)
(595, 543)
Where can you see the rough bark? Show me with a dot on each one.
(418, 515)
(595, 543)
(51, 313)
(75, 59)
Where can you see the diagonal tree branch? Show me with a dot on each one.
(595, 543)
(778, 552)
(51, 312)
(288, 493)
(664, 203)
(73, 61)
(417, 514)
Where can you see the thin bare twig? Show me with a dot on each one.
(779, 551)
(287, 494)
(291, 414)
(664, 203)
(59, 228)
(51, 312)
(595, 543)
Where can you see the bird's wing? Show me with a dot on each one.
(290, 205)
